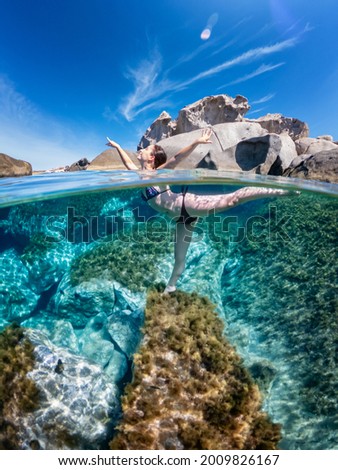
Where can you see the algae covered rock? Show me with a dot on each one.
(132, 258)
(190, 389)
(19, 394)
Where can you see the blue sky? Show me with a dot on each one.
(72, 72)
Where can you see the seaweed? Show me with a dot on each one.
(131, 258)
(190, 389)
(18, 393)
(38, 247)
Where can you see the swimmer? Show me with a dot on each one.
(184, 207)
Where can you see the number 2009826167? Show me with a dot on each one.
(233, 459)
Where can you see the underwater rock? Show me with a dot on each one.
(27, 220)
(204, 262)
(47, 262)
(77, 402)
(95, 343)
(125, 330)
(190, 390)
(60, 332)
(17, 299)
(87, 299)
(18, 393)
(132, 257)
(75, 219)
(10, 166)
(110, 315)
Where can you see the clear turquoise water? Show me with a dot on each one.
(269, 266)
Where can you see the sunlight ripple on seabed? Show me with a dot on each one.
(83, 264)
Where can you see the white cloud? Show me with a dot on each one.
(246, 57)
(264, 99)
(262, 69)
(256, 111)
(147, 86)
(150, 82)
(14, 105)
(225, 46)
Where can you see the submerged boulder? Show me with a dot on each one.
(18, 298)
(78, 303)
(10, 166)
(190, 389)
(77, 401)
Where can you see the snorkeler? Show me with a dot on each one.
(185, 208)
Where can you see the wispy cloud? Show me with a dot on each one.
(225, 46)
(151, 82)
(27, 133)
(148, 85)
(259, 33)
(246, 57)
(256, 111)
(14, 105)
(264, 99)
(262, 69)
(189, 57)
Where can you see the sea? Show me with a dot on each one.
(79, 251)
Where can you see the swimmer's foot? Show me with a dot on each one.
(169, 289)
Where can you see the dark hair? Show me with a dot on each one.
(160, 156)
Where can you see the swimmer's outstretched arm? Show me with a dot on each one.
(183, 153)
(128, 163)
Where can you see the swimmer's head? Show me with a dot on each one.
(152, 157)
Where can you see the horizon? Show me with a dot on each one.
(72, 72)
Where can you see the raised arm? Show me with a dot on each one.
(183, 153)
(128, 163)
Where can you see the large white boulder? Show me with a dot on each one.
(311, 146)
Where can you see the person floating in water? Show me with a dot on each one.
(185, 208)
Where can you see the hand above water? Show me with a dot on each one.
(205, 137)
(111, 143)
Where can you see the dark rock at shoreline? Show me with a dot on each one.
(323, 166)
(12, 167)
(79, 165)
